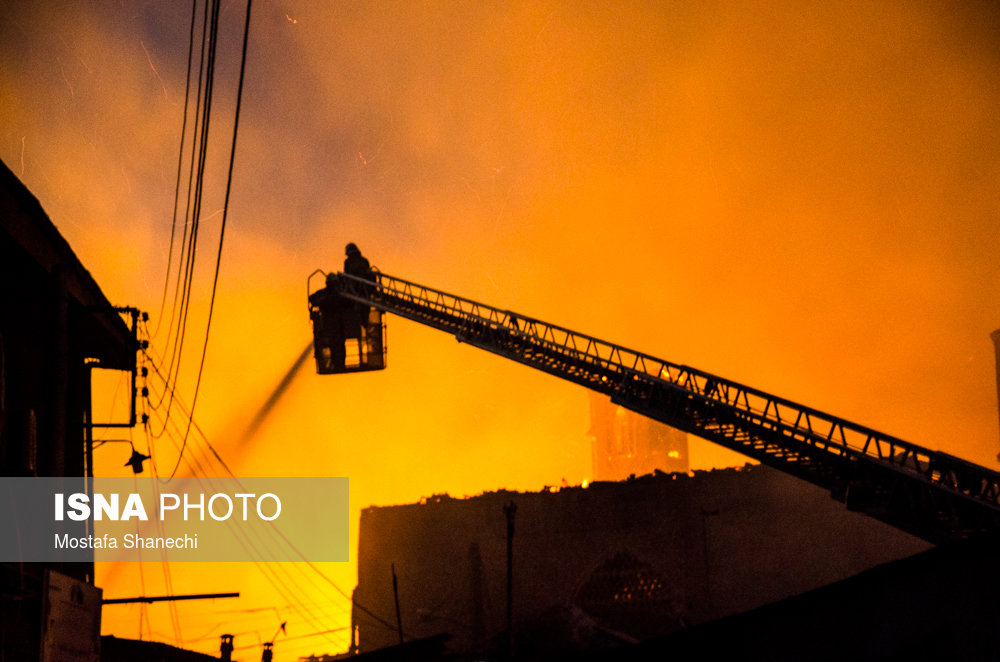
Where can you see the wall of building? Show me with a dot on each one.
(617, 561)
(54, 324)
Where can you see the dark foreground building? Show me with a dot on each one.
(937, 605)
(55, 327)
(609, 564)
(115, 649)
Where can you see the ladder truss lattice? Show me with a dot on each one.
(928, 493)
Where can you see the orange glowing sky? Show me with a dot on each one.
(804, 197)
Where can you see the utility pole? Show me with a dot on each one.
(395, 597)
(995, 336)
(509, 511)
(705, 514)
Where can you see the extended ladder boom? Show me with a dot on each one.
(928, 493)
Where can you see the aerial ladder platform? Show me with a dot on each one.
(930, 494)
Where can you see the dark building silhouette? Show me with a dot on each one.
(115, 649)
(936, 605)
(55, 326)
(608, 564)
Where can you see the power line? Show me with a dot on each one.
(244, 539)
(274, 529)
(298, 636)
(272, 575)
(185, 277)
(222, 230)
(182, 291)
(180, 163)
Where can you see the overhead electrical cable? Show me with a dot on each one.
(181, 306)
(175, 337)
(197, 469)
(286, 586)
(222, 230)
(180, 165)
(283, 586)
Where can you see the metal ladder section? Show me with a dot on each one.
(927, 493)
